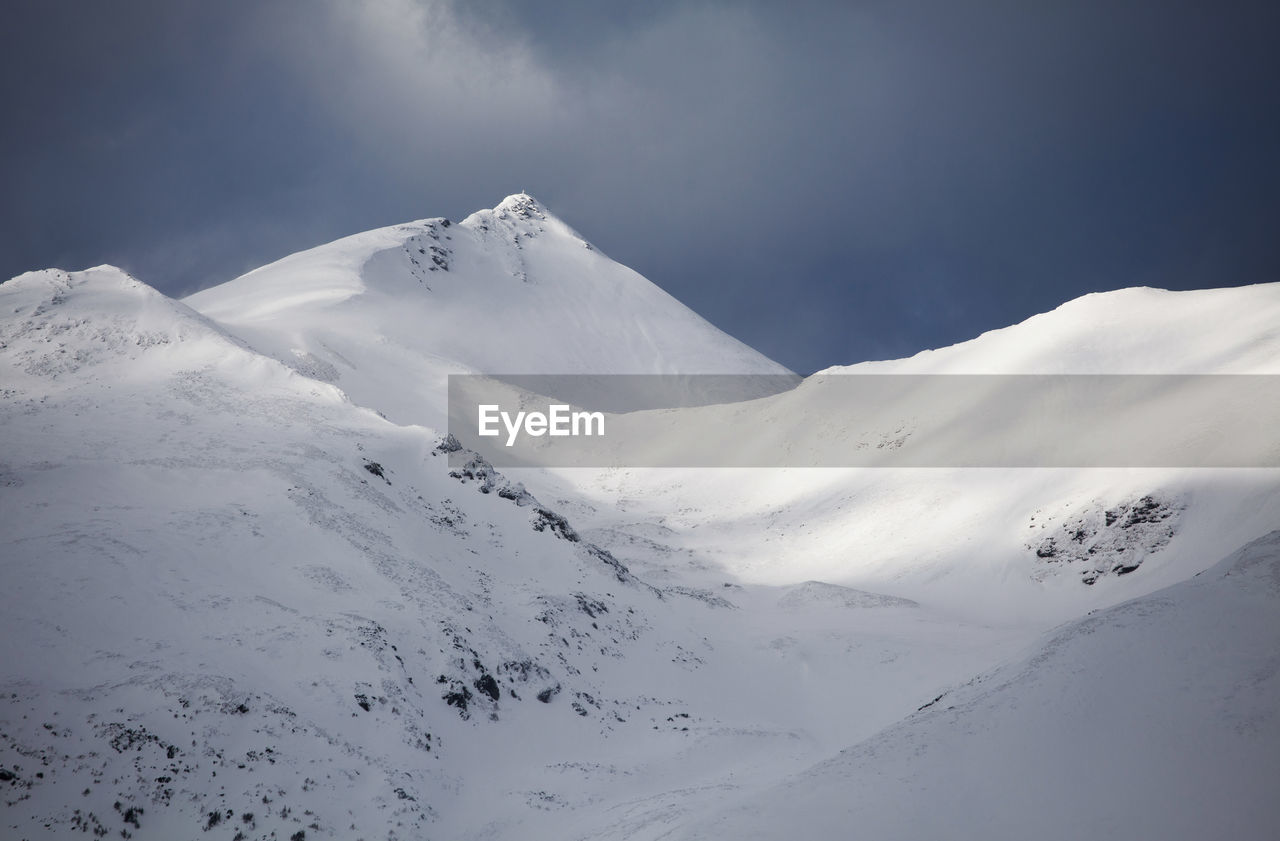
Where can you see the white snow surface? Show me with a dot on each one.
(1155, 718)
(245, 595)
(1139, 330)
(388, 314)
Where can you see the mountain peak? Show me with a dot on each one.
(522, 205)
(520, 215)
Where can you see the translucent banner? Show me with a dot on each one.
(850, 420)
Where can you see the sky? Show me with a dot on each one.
(829, 182)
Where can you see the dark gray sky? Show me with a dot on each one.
(829, 182)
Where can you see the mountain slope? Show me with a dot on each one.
(1153, 719)
(1008, 543)
(1139, 330)
(388, 313)
(234, 596)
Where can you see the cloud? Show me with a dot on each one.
(888, 175)
(421, 94)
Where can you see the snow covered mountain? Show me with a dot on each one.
(246, 596)
(243, 600)
(388, 314)
(1010, 544)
